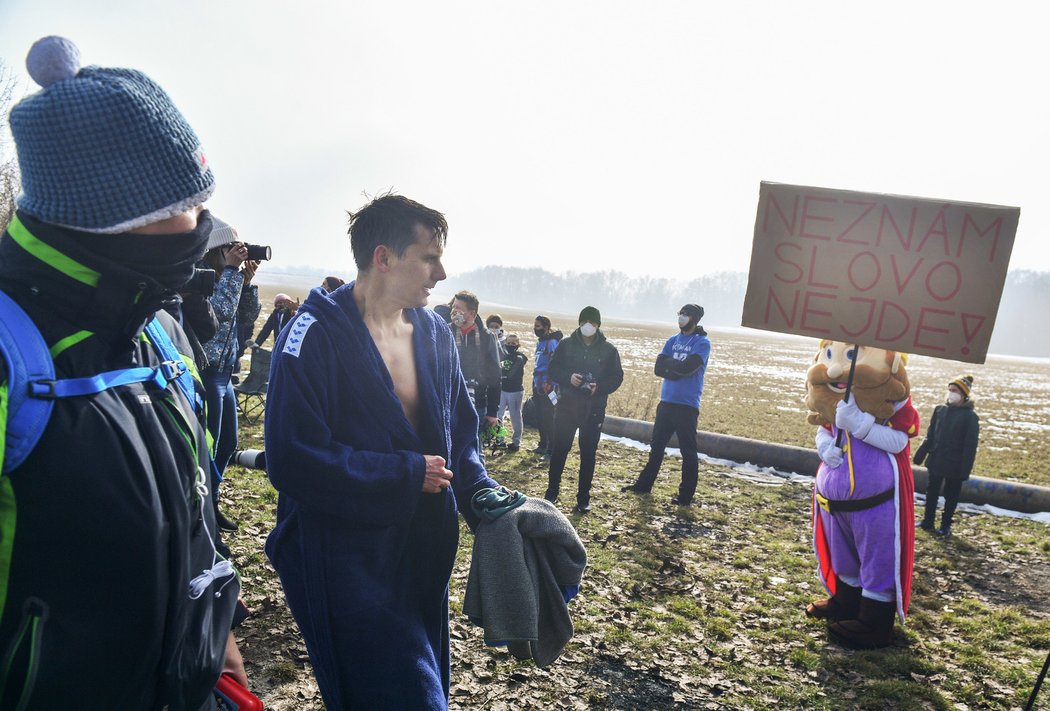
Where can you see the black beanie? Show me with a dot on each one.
(591, 315)
(693, 310)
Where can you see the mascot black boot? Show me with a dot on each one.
(872, 629)
(843, 605)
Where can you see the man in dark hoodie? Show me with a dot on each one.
(682, 364)
(587, 369)
(372, 442)
(107, 523)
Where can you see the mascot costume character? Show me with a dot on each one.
(864, 494)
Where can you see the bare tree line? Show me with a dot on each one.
(9, 181)
(1025, 294)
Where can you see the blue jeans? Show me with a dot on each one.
(222, 415)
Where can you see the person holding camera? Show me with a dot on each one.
(587, 367)
(235, 300)
(478, 357)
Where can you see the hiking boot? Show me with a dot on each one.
(872, 629)
(843, 605)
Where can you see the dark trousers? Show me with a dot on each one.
(681, 420)
(544, 417)
(568, 418)
(952, 487)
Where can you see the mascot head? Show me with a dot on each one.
(878, 382)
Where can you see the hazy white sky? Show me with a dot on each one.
(584, 136)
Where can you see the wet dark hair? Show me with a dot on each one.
(391, 220)
(331, 283)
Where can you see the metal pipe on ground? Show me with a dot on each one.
(1026, 498)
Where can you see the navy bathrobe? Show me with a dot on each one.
(363, 554)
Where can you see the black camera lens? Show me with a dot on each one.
(202, 282)
(258, 252)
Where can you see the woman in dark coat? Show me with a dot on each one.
(950, 447)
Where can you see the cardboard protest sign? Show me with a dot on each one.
(901, 273)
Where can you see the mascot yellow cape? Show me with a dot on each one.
(864, 493)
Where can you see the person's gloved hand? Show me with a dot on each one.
(250, 344)
(850, 417)
(830, 454)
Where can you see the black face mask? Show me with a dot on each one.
(512, 349)
(167, 258)
(540, 332)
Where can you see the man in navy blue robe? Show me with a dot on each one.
(372, 442)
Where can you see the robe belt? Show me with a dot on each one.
(848, 505)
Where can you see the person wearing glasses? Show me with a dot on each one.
(682, 364)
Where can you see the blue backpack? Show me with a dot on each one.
(31, 389)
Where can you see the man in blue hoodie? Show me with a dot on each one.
(372, 442)
(682, 364)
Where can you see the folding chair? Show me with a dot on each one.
(251, 392)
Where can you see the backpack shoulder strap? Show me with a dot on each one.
(168, 353)
(27, 359)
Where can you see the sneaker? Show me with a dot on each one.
(924, 526)
(513, 447)
(581, 508)
(944, 531)
(678, 501)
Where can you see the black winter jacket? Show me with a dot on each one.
(600, 359)
(109, 528)
(951, 441)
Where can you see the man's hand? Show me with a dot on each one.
(593, 387)
(576, 379)
(491, 421)
(234, 663)
(437, 477)
(250, 344)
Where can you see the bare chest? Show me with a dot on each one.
(401, 364)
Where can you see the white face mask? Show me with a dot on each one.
(459, 318)
(683, 321)
(588, 329)
(954, 398)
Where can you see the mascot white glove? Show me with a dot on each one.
(850, 417)
(830, 454)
